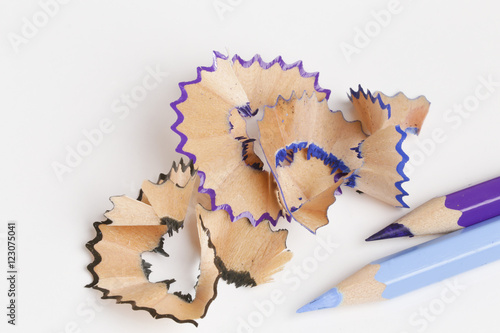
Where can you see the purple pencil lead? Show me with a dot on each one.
(391, 231)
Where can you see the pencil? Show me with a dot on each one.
(416, 267)
(447, 213)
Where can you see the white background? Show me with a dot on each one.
(64, 78)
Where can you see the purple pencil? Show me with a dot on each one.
(447, 213)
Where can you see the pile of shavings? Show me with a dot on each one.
(262, 144)
(236, 252)
(303, 152)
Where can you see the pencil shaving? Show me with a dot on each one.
(291, 164)
(237, 252)
(296, 131)
(118, 269)
(211, 125)
(386, 121)
(308, 149)
(377, 111)
(245, 255)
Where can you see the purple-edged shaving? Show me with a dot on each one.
(352, 180)
(245, 111)
(378, 112)
(308, 150)
(213, 117)
(284, 66)
(400, 168)
(409, 113)
(229, 210)
(183, 98)
(313, 150)
(373, 99)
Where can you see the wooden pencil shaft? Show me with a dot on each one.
(416, 267)
(424, 264)
(433, 217)
(448, 213)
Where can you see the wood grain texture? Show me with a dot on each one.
(306, 182)
(361, 287)
(431, 217)
(228, 250)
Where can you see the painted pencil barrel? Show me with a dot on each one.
(416, 267)
(447, 213)
(477, 203)
(440, 258)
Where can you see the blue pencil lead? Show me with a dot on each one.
(331, 299)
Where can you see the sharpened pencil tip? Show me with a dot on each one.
(331, 299)
(391, 231)
(305, 308)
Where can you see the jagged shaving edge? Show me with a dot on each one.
(400, 167)
(304, 95)
(165, 177)
(183, 98)
(284, 66)
(211, 192)
(351, 180)
(97, 259)
(369, 95)
(192, 157)
(399, 146)
(411, 130)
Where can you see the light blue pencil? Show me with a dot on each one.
(416, 267)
